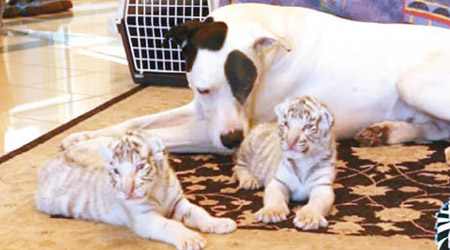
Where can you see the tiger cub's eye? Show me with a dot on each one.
(310, 127)
(116, 171)
(140, 166)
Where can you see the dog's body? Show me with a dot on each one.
(389, 81)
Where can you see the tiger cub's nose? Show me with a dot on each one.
(291, 141)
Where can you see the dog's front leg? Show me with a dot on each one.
(191, 137)
(173, 117)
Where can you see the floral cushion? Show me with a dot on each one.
(424, 12)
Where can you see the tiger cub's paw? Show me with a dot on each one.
(309, 219)
(74, 138)
(273, 214)
(191, 241)
(248, 182)
(219, 226)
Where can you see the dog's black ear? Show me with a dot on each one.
(183, 33)
(206, 35)
(241, 74)
(194, 35)
(211, 36)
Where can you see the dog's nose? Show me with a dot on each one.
(232, 139)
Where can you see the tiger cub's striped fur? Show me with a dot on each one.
(133, 186)
(294, 158)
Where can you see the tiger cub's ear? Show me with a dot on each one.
(157, 151)
(328, 117)
(156, 145)
(280, 109)
(106, 153)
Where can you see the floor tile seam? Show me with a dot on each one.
(23, 115)
(31, 86)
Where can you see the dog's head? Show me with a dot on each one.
(224, 62)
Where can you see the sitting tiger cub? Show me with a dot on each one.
(137, 189)
(298, 162)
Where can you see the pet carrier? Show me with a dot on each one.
(143, 24)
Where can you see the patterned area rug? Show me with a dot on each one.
(392, 190)
(209, 182)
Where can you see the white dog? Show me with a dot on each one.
(389, 82)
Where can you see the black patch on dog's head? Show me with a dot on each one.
(241, 74)
(211, 36)
(209, 20)
(194, 35)
(189, 52)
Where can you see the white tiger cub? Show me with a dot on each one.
(298, 162)
(137, 189)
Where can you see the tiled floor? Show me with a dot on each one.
(55, 68)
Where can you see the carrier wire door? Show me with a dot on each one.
(152, 59)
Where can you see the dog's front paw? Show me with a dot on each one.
(273, 214)
(372, 136)
(309, 219)
(220, 226)
(249, 182)
(190, 241)
(74, 138)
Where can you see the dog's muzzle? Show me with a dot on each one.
(232, 139)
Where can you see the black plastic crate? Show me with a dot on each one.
(152, 59)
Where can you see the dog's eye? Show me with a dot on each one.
(116, 171)
(203, 91)
(140, 166)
